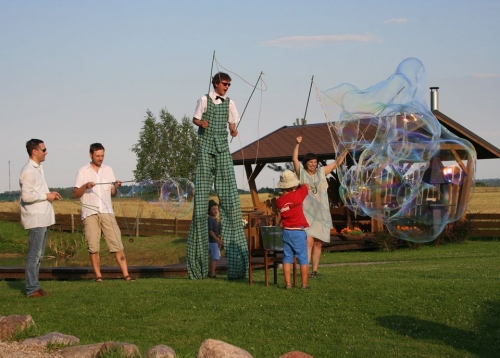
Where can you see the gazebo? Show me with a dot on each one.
(277, 147)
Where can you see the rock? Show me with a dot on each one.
(296, 354)
(127, 349)
(52, 338)
(160, 352)
(10, 324)
(212, 348)
(86, 351)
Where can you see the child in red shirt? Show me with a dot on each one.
(293, 223)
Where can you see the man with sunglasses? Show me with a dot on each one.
(37, 213)
(213, 113)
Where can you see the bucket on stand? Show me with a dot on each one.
(271, 237)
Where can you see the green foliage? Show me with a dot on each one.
(459, 231)
(13, 238)
(166, 148)
(385, 241)
(299, 122)
(28, 332)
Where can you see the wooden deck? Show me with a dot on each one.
(337, 243)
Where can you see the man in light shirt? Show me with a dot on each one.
(37, 213)
(95, 184)
(215, 113)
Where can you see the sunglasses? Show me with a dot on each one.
(43, 150)
(225, 84)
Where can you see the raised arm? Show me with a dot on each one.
(330, 167)
(295, 156)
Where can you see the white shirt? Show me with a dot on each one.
(201, 107)
(98, 199)
(36, 210)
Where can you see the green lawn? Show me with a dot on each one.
(433, 302)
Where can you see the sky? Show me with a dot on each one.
(78, 72)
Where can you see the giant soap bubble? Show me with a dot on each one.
(407, 171)
(173, 195)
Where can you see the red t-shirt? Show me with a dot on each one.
(290, 207)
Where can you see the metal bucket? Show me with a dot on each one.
(271, 237)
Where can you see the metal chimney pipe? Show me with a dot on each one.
(434, 99)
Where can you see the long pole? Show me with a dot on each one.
(307, 105)
(241, 117)
(211, 70)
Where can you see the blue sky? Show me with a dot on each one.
(77, 72)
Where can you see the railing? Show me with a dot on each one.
(128, 226)
(485, 224)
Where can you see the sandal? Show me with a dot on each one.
(128, 278)
(314, 274)
(98, 279)
(288, 287)
(305, 287)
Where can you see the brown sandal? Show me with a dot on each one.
(98, 279)
(128, 278)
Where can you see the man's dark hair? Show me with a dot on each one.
(32, 144)
(221, 76)
(96, 146)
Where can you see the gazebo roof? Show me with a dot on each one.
(277, 146)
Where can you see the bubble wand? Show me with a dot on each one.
(254, 87)
(307, 105)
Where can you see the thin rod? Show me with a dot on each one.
(307, 105)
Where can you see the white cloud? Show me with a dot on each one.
(401, 20)
(309, 41)
(486, 75)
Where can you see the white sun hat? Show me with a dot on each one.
(288, 179)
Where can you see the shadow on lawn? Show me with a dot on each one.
(483, 341)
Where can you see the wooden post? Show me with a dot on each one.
(72, 224)
(136, 227)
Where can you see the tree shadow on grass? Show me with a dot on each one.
(483, 341)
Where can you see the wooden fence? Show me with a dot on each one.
(128, 226)
(487, 225)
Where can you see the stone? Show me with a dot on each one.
(296, 354)
(160, 351)
(52, 338)
(212, 348)
(127, 349)
(85, 351)
(9, 325)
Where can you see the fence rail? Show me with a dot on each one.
(128, 226)
(485, 224)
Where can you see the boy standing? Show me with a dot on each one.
(214, 239)
(294, 224)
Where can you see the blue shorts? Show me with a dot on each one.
(294, 244)
(214, 251)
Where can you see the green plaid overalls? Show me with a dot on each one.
(216, 165)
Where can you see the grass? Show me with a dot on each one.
(432, 302)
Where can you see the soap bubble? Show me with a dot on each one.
(398, 150)
(176, 196)
(173, 195)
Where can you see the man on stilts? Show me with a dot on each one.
(215, 165)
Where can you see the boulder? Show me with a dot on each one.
(212, 348)
(52, 338)
(160, 352)
(9, 325)
(85, 351)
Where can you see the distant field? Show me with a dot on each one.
(484, 200)
(126, 207)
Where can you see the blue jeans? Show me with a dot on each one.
(36, 247)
